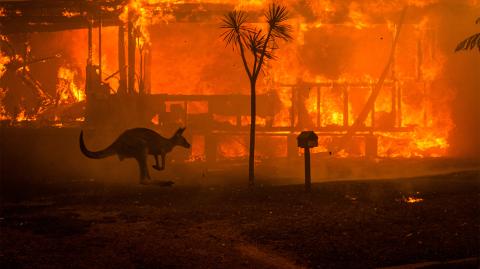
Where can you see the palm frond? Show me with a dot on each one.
(276, 17)
(235, 29)
(282, 31)
(276, 14)
(469, 43)
(256, 43)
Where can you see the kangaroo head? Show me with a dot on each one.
(179, 140)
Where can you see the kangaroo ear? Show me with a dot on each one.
(180, 131)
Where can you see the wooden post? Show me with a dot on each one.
(307, 140)
(131, 54)
(319, 115)
(100, 47)
(399, 106)
(394, 102)
(345, 106)
(89, 60)
(122, 88)
(308, 178)
(292, 150)
(373, 112)
(211, 148)
(147, 70)
(88, 76)
(90, 51)
(141, 85)
(419, 60)
(292, 110)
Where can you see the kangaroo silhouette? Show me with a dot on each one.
(138, 143)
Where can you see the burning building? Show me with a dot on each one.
(378, 72)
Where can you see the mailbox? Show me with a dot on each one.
(307, 139)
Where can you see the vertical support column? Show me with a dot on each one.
(345, 106)
(425, 118)
(419, 60)
(394, 103)
(371, 146)
(399, 106)
(319, 111)
(394, 89)
(131, 54)
(147, 70)
(122, 88)
(89, 59)
(211, 148)
(372, 113)
(88, 76)
(308, 178)
(292, 111)
(185, 112)
(141, 81)
(292, 149)
(100, 47)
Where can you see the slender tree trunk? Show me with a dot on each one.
(253, 116)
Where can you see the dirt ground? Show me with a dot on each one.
(341, 224)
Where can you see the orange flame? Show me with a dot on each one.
(67, 90)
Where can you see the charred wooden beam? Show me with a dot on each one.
(56, 15)
(345, 106)
(131, 54)
(59, 15)
(121, 60)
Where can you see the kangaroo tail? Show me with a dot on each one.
(95, 154)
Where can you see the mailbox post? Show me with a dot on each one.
(307, 140)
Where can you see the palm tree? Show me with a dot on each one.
(260, 46)
(471, 42)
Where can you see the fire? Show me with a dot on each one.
(340, 49)
(412, 200)
(359, 19)
(3, 61)
(232, 147)
(250, 4)
(67, 90)
(70, 14)
(198, 148)
(144, 13)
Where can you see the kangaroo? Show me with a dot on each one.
(138, 143)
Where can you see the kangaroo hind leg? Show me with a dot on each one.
(142, 165)
(156, 166)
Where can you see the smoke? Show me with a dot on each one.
(334, 40)
(462, 74)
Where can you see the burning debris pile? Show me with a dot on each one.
(169, 54)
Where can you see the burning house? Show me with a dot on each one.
(373, 72)
(367, 124)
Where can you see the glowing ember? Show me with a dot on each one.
(70, 14)
(412, 200)
(3, 61)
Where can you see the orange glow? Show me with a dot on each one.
(198, 148)
(339, 48)
(3, 61)
(70, 14)
(67, 90)
(232, 147)
(412, 200)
